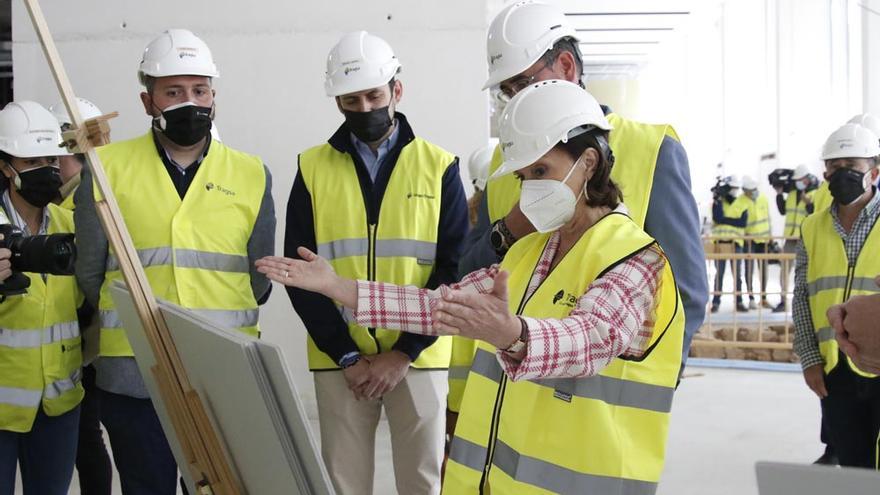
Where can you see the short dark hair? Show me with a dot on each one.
(601, 190)
(567, 44)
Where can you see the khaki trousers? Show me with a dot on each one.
(415, 411)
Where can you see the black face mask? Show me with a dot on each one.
(846, 185)
(368, 126)
(185, 124)
(39, 186)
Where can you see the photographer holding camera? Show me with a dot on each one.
(40, 356)
(730, 215)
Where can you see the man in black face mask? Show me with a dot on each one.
(384, 205)
(200, 214)
(837, 261)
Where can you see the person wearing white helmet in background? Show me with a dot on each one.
(532, 41)
(93, 465)
(836, 262)
(730, 217)
(72, 165)
(759, 228)
(382, 204)
(795, 206)
(40, 356)
(478, 166)
(200, 214)
(587, 300)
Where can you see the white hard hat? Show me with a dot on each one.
(800, 172)
(87, 110)
(867, 120)
(478, 165)
(519, 35)
(27, 130)
(749, 183)
(359, 61)
(542, 115)
(177, 52)
(733, 181)
(851, 141)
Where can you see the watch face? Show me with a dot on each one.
(496, 239)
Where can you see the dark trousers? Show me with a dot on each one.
(143, 458)
(757, 248)
(92, 461)
(852, 416)
(45, 455)
(719, 276)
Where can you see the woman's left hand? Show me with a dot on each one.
(483, 317)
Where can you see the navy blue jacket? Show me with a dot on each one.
(319, 314)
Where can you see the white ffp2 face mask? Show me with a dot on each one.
(548, 203)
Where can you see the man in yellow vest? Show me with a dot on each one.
(40, 356)
(93, 465)
(730, 214)
(836, 261)
(199, 212)
(380, 204)
(758, 226)
(530, 42)
(794, 205)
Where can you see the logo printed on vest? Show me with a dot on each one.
(418, 195)
(559, 394)
(210, 186)
(565, 299)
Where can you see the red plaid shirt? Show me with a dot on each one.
(614, 316)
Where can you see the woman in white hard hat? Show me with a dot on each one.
(40, 357)
(572, 382)
(837, 260)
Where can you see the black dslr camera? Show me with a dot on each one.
(720, 189)
(782, 178)
(53, 254)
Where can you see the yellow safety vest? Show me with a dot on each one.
(759, 217)
(635, 145)
(194, 250)
(795, 213)
(400, 249)
(831, 279)
(822, 198)
(40, 352)
(732, 210)
(598, 434)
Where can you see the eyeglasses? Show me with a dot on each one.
(510, 88)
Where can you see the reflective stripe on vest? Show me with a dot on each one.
(187, 258)
(570, 435)
(426, 252)
(399, 247)
(610, 390)
(547, 476)
(461, 357)
(833, 279)
(732, 210)
(635, 145)
(759, 217)
(40, 344)
(194, 250)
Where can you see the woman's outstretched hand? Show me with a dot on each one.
(485, 317)
(312, 272)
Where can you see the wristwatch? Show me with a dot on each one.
(501, 237)
(349, 360)
(520, 343)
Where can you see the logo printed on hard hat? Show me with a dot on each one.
(185, 51)
(495, 58)
(42, 139)
(506, 145)
(350, 69)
